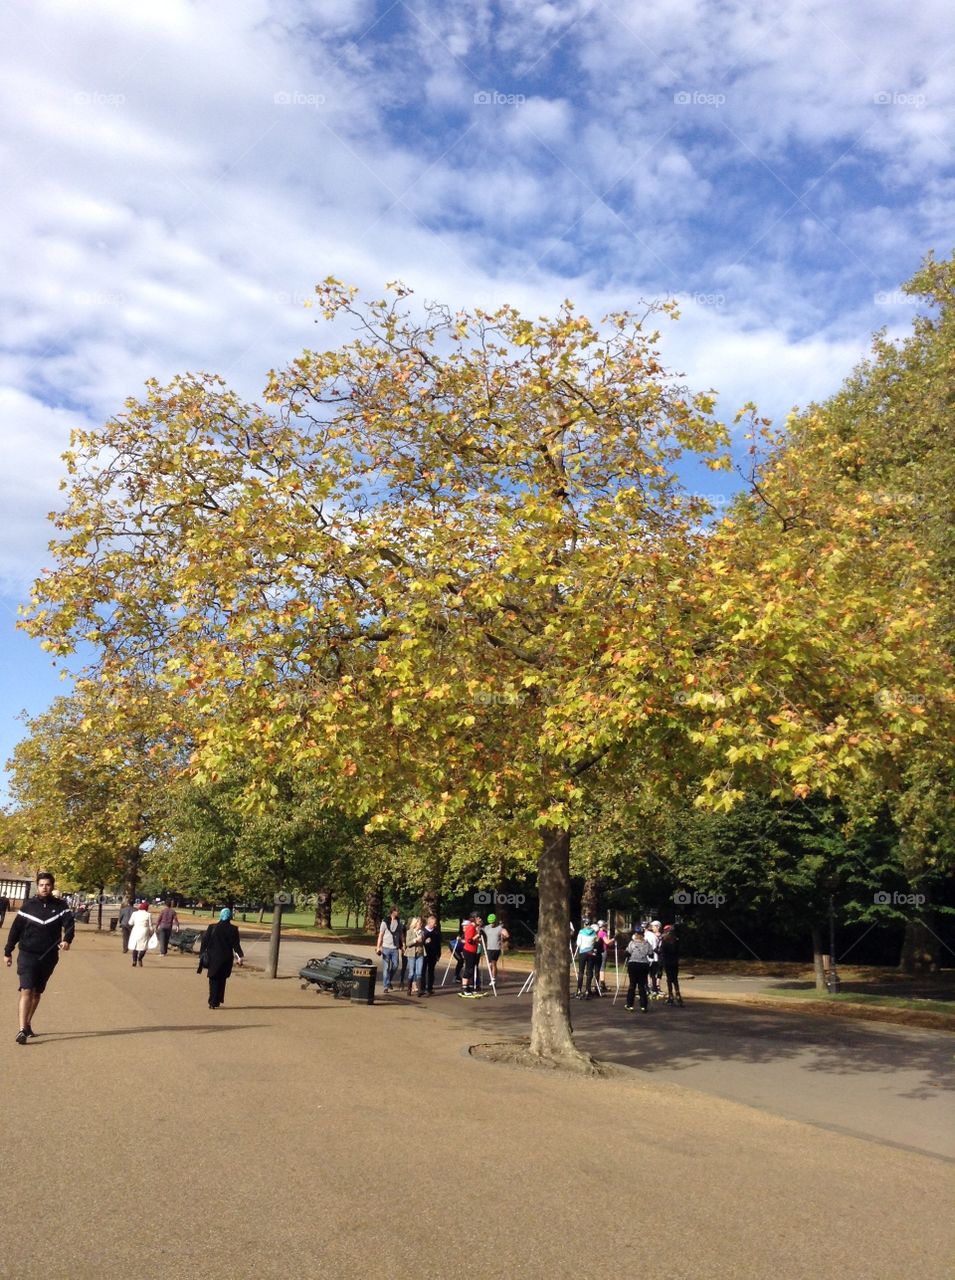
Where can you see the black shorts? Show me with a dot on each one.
(493, 956)
(34, 971)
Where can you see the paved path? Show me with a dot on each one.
(889, 1084)
(291, 1135)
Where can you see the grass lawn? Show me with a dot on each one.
(917, 1004)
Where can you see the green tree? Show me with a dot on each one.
(452, 571)
(89, 782)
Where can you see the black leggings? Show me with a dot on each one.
(673, 981)
(585, 966)
(638, 979)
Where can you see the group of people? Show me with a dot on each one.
(410, 953)
(219, 949)
(653, 951)
(45, 926)
(137, 927)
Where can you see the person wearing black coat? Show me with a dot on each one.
(432, 953)
(220, 946)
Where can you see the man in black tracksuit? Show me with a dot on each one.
(43, 928)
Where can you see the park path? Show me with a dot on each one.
(289, 1134)
(890, 1084)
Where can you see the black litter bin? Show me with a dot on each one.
(364, 977)
(113, 924)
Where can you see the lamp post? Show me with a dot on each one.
(832, 977)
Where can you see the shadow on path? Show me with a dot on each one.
(57, 1037)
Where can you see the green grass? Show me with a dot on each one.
(853, 997)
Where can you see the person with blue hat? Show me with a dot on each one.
(220, 948)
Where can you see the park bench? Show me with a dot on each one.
(345, 977)
(185, 939)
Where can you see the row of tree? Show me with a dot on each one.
(444, 600)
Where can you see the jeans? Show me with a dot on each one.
(415, 968)
(389, 966)
(638, 978)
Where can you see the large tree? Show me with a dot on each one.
(886, 439)
(451, 569)
(90, 783)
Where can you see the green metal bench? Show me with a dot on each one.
(186, 940)
(343, 976)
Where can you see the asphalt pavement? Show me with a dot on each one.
(291, 1134)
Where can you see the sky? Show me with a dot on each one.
(179, 175)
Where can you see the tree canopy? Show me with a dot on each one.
(450, 569)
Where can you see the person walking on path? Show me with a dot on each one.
(140, 927)
(166, 921)
(4, 908)
(221, 947)
(44, 927)
(432, 953)
(670, 955)
(414, 950)
(638, 969)
(126, 928)
(391, 941)
(495, 935)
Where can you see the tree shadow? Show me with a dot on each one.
(672, 1039)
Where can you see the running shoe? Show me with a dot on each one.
(21, 1037)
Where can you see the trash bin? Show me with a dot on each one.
(364, 977)
(113, 924)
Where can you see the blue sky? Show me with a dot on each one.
(179, 175)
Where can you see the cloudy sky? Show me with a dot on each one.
(179, 174)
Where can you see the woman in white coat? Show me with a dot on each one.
(141, 926)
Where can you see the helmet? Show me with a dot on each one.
(492, 918)
(225, 914)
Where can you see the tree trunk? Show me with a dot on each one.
(921, 949)
(373, 904)
(131, 875)
(817, 960)
(590, 900)
(323, 908)
(431, 904)
(551, 1032)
